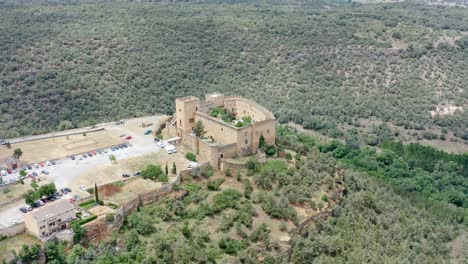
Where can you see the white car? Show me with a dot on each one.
(48, 163)
(36, 166)
(28, 207)
(84, 215)
(160, 144)
(170, 149)
(82, 188)
(192, 165)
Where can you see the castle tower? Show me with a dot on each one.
(185, 113)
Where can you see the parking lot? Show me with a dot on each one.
(67, 172)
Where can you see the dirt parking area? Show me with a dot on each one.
(61, 147)
(111, 172)
(131, 189)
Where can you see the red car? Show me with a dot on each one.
(72, 200)
(94, 153)
(128, 137)
(30, 175)
(9, 171)
(41, 164)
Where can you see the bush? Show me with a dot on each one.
(231, 246)
(214, 185)
(190, 156)
(86, 203)
(87, 220)
(270, 150)
(113, 205)
(110, 217)
(225, 199)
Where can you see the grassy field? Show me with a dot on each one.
(15, 243)
(60, 147)
(13, 191)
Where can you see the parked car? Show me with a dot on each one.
(53, 162)
(160, 144)
(105, 150)
(28, 207)
(125, 175)
(84, 156)
(34, 174)
(41, 164)
(25, 167)
(113, 149)
(123, 135)
(137, 173)
(80, 158)
(63, 191)
(84, 215)
(123, 146)
(156, 139)
(9, 171)
(36, 165)
(99, 151)
(76, 197)
(94, 153)
(67, 189)
(30, 175)
(72, 200)
(29, 167)
(128, 137)
(45, 172)
(57, 195)
(149, 131)
(23, 209)
(39, 202)
(89, 154)
(48, 163)
(82, 188)
(72, 157)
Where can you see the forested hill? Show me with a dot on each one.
(318, 66)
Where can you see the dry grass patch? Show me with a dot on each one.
(13, 191)
(61, 147)
(15, 243)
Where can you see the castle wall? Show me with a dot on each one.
(243, 107)
(266, 128)
(220, 131)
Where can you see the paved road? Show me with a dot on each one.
(65, 171)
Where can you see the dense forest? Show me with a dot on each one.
(317, 63)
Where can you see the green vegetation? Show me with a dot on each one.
(190, 156)
(45, 190)
(155, 173)
(294, 60)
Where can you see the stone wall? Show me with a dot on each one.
(13, 230)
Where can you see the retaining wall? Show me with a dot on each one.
(13, 230)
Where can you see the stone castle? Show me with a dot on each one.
(222, 139)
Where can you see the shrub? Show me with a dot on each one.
(190, 156)
(152, 172)
(231, 246)
(215, 184)
(86, 203)
(325, 198)
(270, 150)
(87, 220)
(228, 173)
(113, 205)
(110, 217)
(225, 199)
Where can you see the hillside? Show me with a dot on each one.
(319, 66)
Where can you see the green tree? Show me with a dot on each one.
(96, 196)
(55, 253)
(174, 169)
(17, 153)
(166, 169)
(261, 142)
(30, 197)
(199, 128)
(152, 172)
(79, 232)
(34, 185)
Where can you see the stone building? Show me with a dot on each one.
(50, 218)
(222, 139)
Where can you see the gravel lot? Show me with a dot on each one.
(66, 171)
